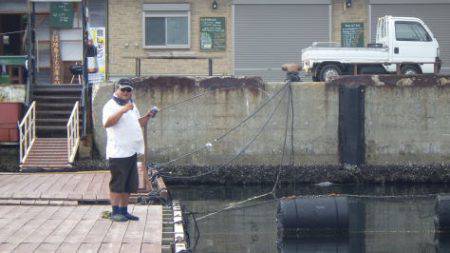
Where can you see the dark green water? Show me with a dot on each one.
(396, 218)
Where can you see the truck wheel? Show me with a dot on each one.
(329, 71)
(410, 70)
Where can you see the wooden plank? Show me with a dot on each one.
(16, 220)
(46, 247)
(116, 232)
(61, 193)
(82, 186)
(6, 191)
(21, 184)
(26, 247)
(59, 234)
(53, 192)
(51, 224)
(77, 236)
(151, 248)
(29, 191)
(110, 247)
(91, 191)
(51, 180)
(104, 191)
(153, 227)
(130, 247)
(30, 227)
(89, 247)
(135, 230)
(72, 184)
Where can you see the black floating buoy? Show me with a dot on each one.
(442, 211)
(309, 216)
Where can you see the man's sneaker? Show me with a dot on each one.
(119, 217)
(124, 211)
(130, 216)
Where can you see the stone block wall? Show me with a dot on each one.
(358, 12)
(125, 38)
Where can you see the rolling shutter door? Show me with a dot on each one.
(436, 16)
(267, 36)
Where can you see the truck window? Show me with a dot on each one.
(410, 31)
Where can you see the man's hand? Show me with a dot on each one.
(127, 107)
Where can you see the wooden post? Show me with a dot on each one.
(148, 185)
(55, 52)
(355, 69)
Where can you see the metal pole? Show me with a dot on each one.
(137, 66)
(29, 52)
(210, 67)
(85, 73)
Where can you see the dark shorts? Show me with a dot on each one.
(124, 176)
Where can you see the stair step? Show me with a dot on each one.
(45, 112)
(53, 97)
(51, 128)
(56, 89)
(57, 105)
(45, 165)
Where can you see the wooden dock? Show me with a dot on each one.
(60, 212)
(42, 187)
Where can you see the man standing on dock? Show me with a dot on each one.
(124, 142)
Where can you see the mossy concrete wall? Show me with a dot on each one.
(188, 126)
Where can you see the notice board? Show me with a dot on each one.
(61, 15)
(352, 34)
(212, 34)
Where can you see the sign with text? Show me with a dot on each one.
(212, 34)
(61, 15)
(352, 34)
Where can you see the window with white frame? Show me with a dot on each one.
(166, 26)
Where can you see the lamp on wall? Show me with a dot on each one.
(348, 3)
(214, 5)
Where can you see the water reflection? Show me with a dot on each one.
(382, 224)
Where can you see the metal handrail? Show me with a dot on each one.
(73, 133)
(27, 129)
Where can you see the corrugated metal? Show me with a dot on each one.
(97, 13)
(409, 1)
(436, 16)
(282, 2)
(267, 36)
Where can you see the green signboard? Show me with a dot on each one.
(212, 34)
(61, 15)
(352, 34)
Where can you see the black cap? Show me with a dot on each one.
(125, 83)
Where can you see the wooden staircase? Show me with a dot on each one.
(54, 105)
(49, 132)
(47, 153)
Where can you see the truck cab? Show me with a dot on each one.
(409, 41)
(403, 44)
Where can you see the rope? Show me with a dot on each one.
(237, 155)
(221, 137)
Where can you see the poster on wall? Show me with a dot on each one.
(352, 34)
(97, 35)
(212, 34)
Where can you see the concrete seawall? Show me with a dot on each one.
(405, 134)
(185, 128)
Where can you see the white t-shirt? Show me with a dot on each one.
(125, 138)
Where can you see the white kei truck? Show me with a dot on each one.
(404, 45)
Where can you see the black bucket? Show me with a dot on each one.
(304, 216)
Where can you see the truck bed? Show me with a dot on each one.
(346, 54)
